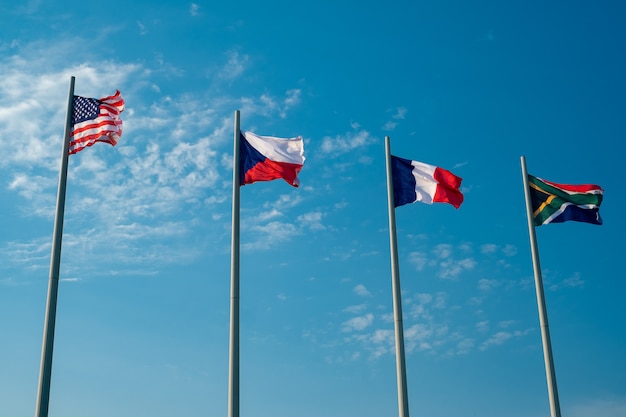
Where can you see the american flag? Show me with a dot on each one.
(96, 120)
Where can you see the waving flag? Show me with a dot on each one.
(266, 158)
(556, 203)
(415, 181)
(96, 120)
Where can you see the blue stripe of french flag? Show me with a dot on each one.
(416, 181)
(266, 158)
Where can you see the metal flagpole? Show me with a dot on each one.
(233, 370)
(403, 402)
(555, 409)
(45, 370)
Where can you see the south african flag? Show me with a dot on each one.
(556, 203)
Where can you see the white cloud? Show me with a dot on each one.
(292, 99)
(355, 309)
(487, 284)
(361, 290)
(464, 346)
(400, 113)
(285, 201)
(482, 326)
(271, 234)
(163, 166)
(440, 300)
(420, 336)
(451, 268)
(383, 336)
(358, 323)
(34, 254)
(235, 66)
(268, 105)
(268, 215)
(502, 337)
(418, 259)
(497, 339)
(342, 144)
(459, 165)
(575, 281)
(389, 126)
(586, 407)
(442, 250)
(509, 250)
(488, 248)
(311, 220)
(194, 9)
(506, 323)
(32, 187)
(424, 298)
(142, 28)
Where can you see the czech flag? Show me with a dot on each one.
(416, 181)
(266, 158)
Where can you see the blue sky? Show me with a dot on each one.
(142, 321)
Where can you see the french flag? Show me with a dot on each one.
(266, 158)
(416, 181)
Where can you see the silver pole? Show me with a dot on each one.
(403, 402)
(45, 370)
(233, 370)
(553, 394)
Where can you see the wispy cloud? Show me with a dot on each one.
(33, 254)
(482, 326)
(235, 66)
(168, 158)
(491, 248)
(358, 323)
(605, 407)
(142, 28)
(575, 281)
(449, 267)
(488, 248)
(267, 105)
(497, 339)
(399, 114)
(335, 146)
(312, 220)
(465, 346)
(279, 222)
(487, 284)
(451, 261)
(501, 337)
(270, 234)
(355, 309)
(361, 290)
(418, 259)
(389, 126)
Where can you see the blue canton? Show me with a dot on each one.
(85, 109)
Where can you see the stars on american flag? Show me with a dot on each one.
(85, 109)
